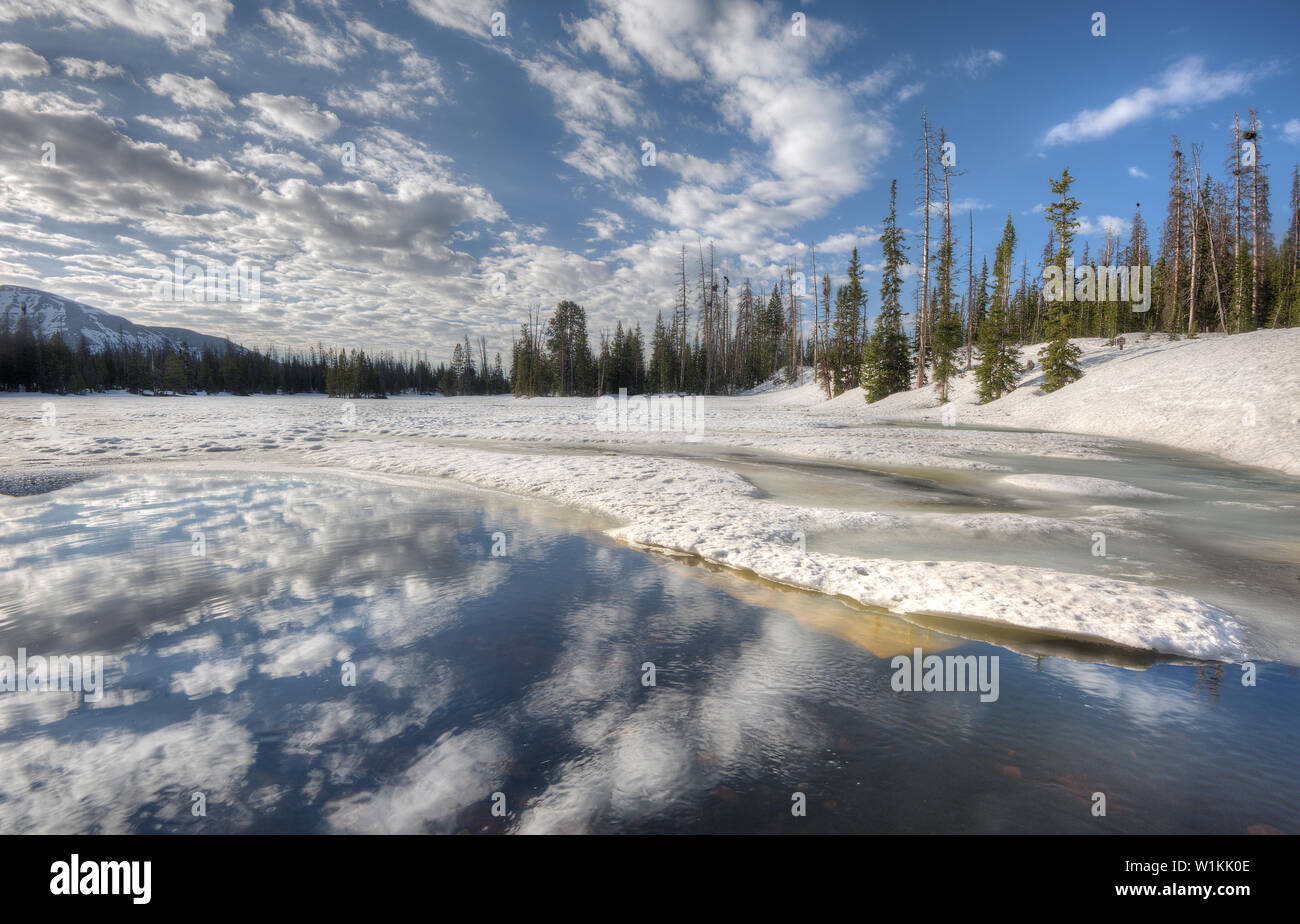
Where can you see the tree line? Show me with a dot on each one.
(1216, 269)
(31, 362)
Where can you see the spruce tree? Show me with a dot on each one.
(999, 367)
(887, 361)
(1060, 358)
(947, 321)
(846, 348)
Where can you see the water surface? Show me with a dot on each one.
(230, 609)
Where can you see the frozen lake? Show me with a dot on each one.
(312, 652)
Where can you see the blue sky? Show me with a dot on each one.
(498, 172)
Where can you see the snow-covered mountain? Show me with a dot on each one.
(48, 313)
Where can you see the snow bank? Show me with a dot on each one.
(1233, 396)
(1237, 397)
(716, 515)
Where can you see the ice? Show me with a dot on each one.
(1232, 396)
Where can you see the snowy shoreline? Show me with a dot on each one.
(674, 502)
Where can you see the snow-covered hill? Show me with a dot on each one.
(48, 314)
(1237, 397)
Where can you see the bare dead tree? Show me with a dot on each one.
(927, 181)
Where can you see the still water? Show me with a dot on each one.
(291, 653)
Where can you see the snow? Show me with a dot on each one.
(1078, 485)
(1237, 397)
(657, 491)
(48, 314)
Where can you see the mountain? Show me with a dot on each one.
(48, 313)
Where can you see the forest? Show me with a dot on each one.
(1215, 268)
(50, 365)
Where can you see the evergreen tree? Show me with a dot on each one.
(1060, 358)
(999, 365)
(174, 375)
(886, 360)
(846, 346)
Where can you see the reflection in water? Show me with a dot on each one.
(231, 611)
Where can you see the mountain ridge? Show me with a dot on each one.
(51, 313)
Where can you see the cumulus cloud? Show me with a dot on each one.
(1184, 84)
(588, 103)
(472, 16)
(289, 117)
(179, 25)
(694, 169)
(190, 92)
(262, 159)
(178, 127)
(83, 69)
(18, 61)
(762, 80)
(385, 236)
(419, 84)
(605, 224)
(313, 45)
(1104, 224)
(843, 244)
(1137, 172)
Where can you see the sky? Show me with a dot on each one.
(405, 173)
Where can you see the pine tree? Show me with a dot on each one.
(846, 348)
(1060, 358)
(999, 367)
(886, 360)
(173, 375)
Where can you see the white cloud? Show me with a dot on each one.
(694, 169)
(381, 40)
(978, 63)
(597, 34)
(877, 82)
(315, 45)
(175, 23)
(1137, 172)
(1184, 84)
(83, 69)
(330, 253)
(1112, 224)
(584, 94)
(605, 225)
(18, 61)
(910, 90)
(762, 81)
(588, 102)
(261, 158)
(843, 244)
(1291, 131)
(289, 117)
(190, 92)
(178, 127)
(472, 16)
